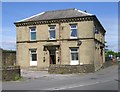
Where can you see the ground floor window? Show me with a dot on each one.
(33, 57)
(74, 56)
(33, 53)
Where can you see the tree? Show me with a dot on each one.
(118, 54)
(110, 52)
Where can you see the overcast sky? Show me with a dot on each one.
(106, 12)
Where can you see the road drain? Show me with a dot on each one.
(117, 80)
(93, 78)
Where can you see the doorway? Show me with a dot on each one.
(52, 54)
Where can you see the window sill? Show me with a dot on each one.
(73, 37)
(52, 39)
(32, 40)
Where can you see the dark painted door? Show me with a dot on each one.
(52, 57)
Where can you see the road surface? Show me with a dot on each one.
(104, 79)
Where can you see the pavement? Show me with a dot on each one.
(105, 79)
(29, 74)
(33, 75)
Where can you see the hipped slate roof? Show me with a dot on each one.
(56, 14)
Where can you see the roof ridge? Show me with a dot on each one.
(61, 10)
(83, 12)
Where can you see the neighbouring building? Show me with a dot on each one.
(0, 57)
(61, 37)
(8, 69)
(7, 57)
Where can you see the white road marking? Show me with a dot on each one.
(74, 86)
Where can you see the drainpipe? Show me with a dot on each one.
(60, 41)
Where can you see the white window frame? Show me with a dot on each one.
(32, 32)
(71, 31)
(96, 31)
(52, 30)
(74, 62)
(33, 63)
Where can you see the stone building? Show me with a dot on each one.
(61, 37)
(7, 57)
(0, 57)
(8, 69)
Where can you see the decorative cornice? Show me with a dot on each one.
(63, 20)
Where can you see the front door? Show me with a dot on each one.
(52, 56)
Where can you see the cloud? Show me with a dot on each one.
(9, 45)
(111, 27)
(8, 38)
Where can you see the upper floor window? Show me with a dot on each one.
(52, 32)
(73, 28)
(96, 29)
(32, 33)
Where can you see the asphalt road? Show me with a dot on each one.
(105, 79)
(107, 85)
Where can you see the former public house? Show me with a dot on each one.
(61, 37)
